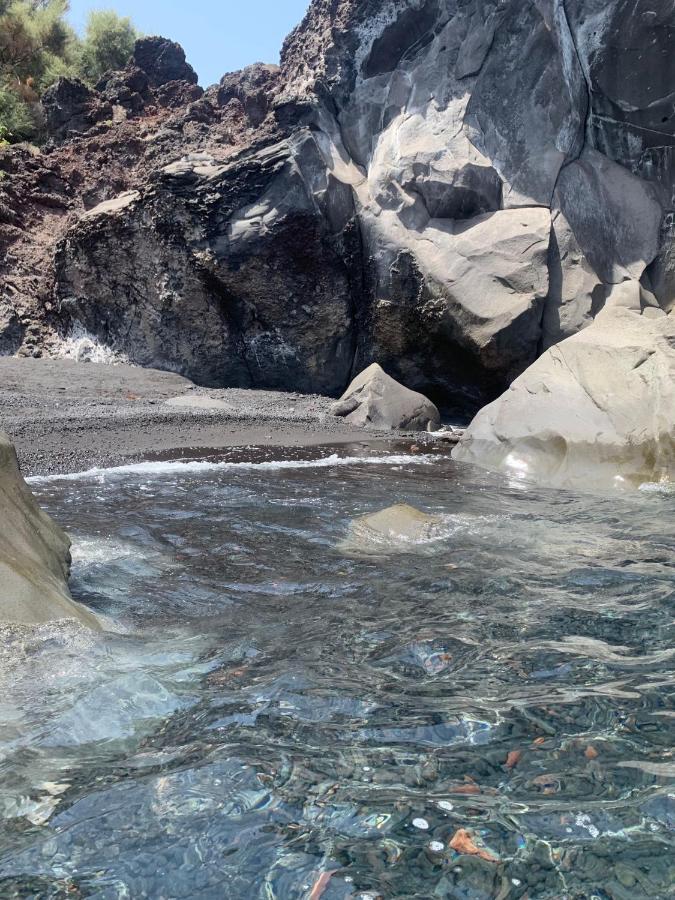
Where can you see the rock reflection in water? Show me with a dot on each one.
(276, 717)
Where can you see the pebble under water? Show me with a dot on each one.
(484, 714)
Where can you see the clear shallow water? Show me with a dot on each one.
(271, 708)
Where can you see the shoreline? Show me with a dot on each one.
(65, 416)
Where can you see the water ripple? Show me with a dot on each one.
(488, 714)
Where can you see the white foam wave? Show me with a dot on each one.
(201, 466)
(82, 346)
(94, 551)
(658, 487)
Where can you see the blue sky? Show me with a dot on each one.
(218, 35)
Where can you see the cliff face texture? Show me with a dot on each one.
(447, 187)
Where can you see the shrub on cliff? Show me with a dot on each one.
(37, 46)
(108, 45)
(19, 119)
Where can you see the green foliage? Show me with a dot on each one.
(108, 44)
(19, 119)
(38, 46)
(36, 43)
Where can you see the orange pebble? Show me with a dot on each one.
(513, 759)
(320, 885)
(465, 789)
(462, 842)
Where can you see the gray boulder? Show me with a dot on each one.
(375, 400)
(34, 555)
(595, 411)
(459, 304)
(615, 216)
(576, 292)
(391, 530)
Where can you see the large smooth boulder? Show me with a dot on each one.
(595, 411)
(375, 400)
(606, 228)
(459, 304)
(615, 216)
(34, 556)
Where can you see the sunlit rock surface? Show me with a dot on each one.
(375, 400)
(395, 529)
(34, 555)
(595, 411)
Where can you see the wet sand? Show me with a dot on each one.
(65, 416)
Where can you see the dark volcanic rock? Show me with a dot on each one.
(71, 108)
(177, 94)
(162, 61)
(129, 89)
(253, 88)
(626, 51)
(245, 271)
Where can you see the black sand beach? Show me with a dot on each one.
(66, 416)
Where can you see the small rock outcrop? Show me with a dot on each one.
(162, 61)
(71, 108)
(34, 556)
(595, 411)
(394, 529)
(375, 400)
(128, 90)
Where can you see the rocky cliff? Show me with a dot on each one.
(449, 187)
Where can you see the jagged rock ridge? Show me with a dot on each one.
(449, 187)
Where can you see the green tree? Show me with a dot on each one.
(19, 119)
(36, 43)
(37, 46)
(108, 44)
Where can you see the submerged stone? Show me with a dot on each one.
(394, 528)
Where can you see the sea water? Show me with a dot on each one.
(271, 713)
